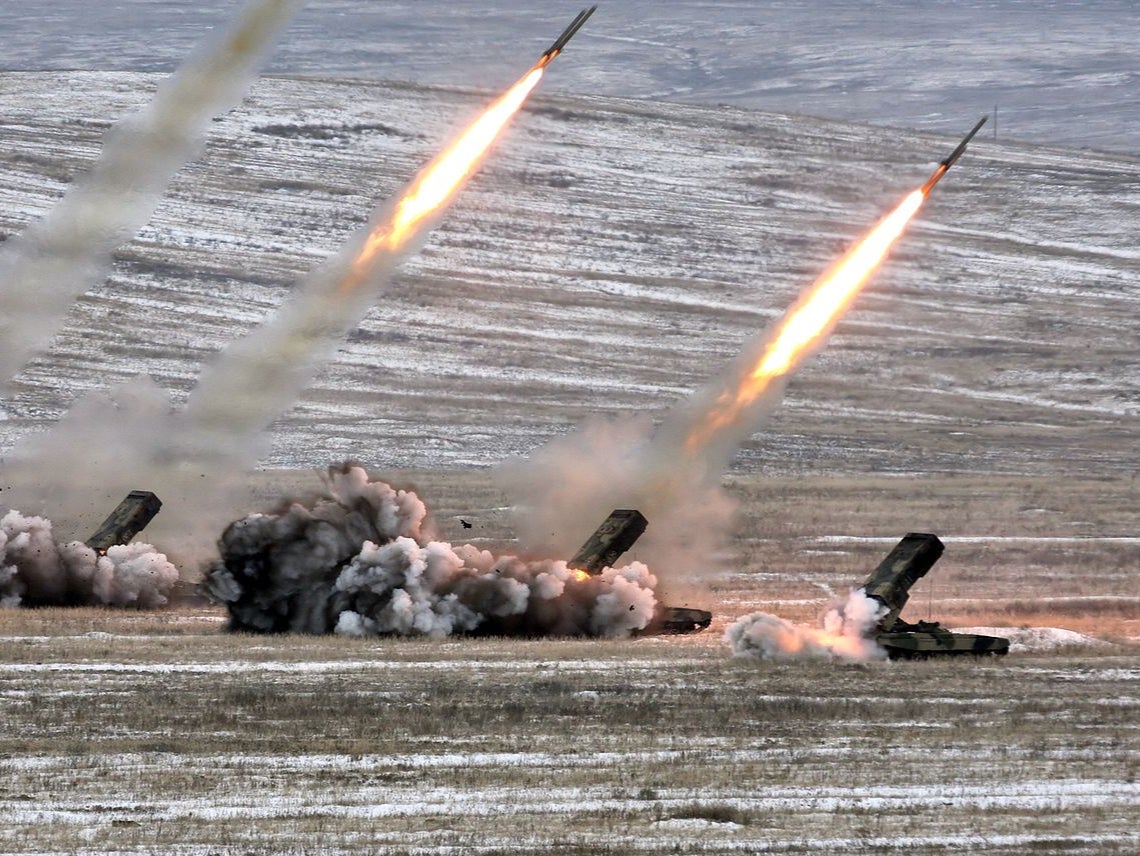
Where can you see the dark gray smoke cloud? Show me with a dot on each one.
(46, 267)
(358, 562)
(35, 570)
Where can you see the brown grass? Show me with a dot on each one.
(656, 745)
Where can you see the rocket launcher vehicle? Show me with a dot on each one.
(617, 534)
(890, 585)
(129, 518)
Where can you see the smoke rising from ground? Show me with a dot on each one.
(562, 490)
(359, 562)
(845, 633)
(110, 443)
(46, 267)
(673, 474)
(36, 570)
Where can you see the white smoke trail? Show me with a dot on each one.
(196, 458)
(674, 473)
(36, 570)
(845, 634)
(47, 266)
(358, 562)
(561, 491)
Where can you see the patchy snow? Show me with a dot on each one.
(320, 667)
(695, 823)
(610, 256)
(1037, 639)
(1061, 72)
(387, 801)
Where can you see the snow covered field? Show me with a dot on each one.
(185, 741)
(612, 256)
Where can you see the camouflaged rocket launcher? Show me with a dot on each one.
(617, 534)
(129, 518)
(890, 585)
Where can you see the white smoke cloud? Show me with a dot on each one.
(564, 490)
(359, 563)
(36, 570)
(846, 633)
(47, 266)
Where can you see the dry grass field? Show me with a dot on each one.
(158, 733)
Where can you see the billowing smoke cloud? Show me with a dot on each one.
(358, 562)
(35, 570)
(45, 268)
(845, 633)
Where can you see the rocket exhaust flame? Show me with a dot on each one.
(673, 474)
(257, 378)
(440, 180)
(806, 324)
(48, 265)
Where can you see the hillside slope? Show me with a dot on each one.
(612, 255)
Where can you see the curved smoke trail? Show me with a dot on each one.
(48, 265)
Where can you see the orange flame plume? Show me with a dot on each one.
(440, 180)
(807, 322)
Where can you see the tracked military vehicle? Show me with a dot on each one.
(617, 534)
(890, 585)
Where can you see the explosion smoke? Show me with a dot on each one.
(47, 266)
(36, 570)
(844, 634)
(358, 562)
